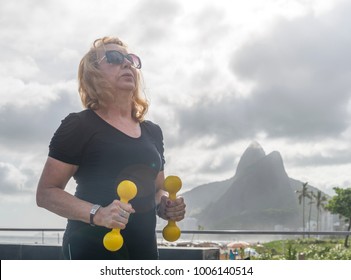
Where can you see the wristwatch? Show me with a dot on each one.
(93, 211)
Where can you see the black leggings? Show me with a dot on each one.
(87, 244)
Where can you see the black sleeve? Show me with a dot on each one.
(67, 144)
(160, 146)
(157, 136)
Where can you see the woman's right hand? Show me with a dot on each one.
(115, 215)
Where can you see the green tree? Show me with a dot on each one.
(321, 201)
(303, 193)
(341, 204)
(200, 227)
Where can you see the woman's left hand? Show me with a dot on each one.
(171, 209)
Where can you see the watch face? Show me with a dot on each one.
(94, 209)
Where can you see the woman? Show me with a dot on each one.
(101, 146)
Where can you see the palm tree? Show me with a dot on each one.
(321, 201)
(310, 212)
(303, 193)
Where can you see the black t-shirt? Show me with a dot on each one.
(106, 156)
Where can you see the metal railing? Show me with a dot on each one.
(264, 232)
(198, 232)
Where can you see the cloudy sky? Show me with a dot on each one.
(218, 76)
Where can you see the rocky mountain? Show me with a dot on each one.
(259, 196)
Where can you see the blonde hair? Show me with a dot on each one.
(95, 91)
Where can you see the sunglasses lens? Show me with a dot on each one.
(135, 60)
(114, 57)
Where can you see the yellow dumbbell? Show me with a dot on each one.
(172, 185)
(113, 240)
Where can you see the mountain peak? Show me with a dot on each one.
(252, 154)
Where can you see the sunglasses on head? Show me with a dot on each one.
(116, 57)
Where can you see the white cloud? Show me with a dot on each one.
(12, 179)
(24, 67)
(17, 93)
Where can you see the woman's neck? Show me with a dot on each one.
(119, 108)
